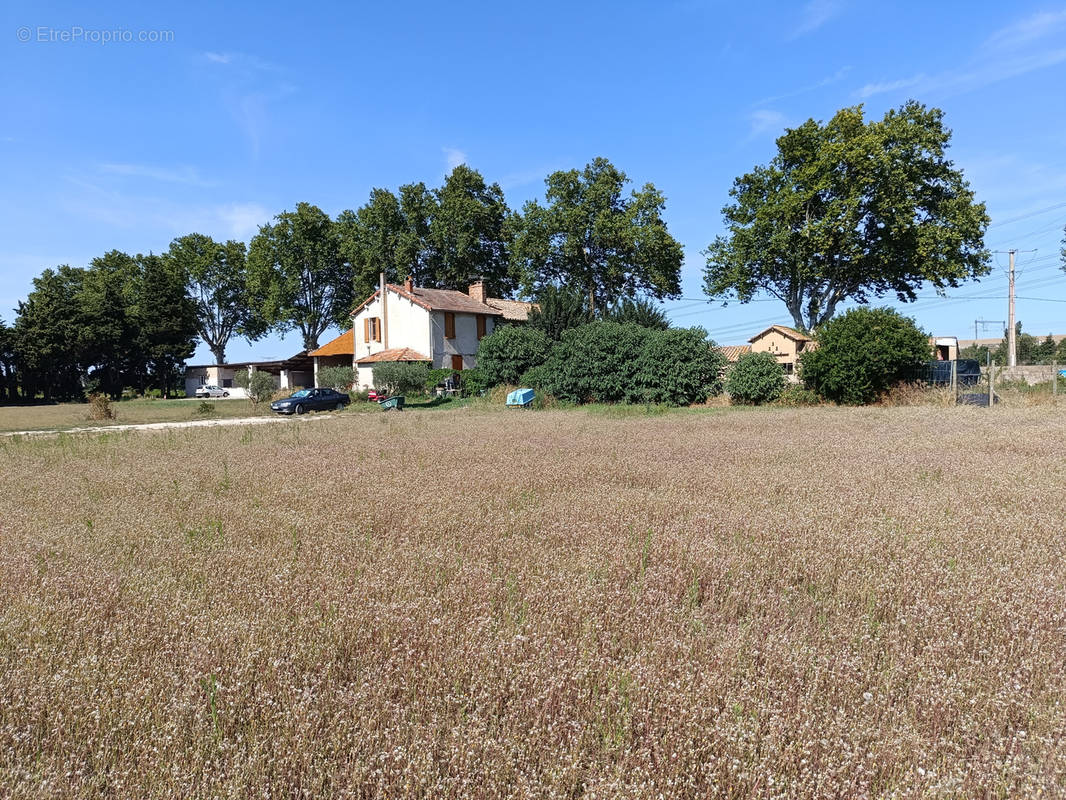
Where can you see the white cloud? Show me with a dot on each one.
(243, 219)
(249, 86)
(815, 14)
(837, 76)
(453, 157)
(1025, 31)
(186, 175)
(870, 89)
(765, 121)
(1012, 51)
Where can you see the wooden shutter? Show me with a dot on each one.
(480, 326)
(377, 329)
(366, 329)
(457, 363)
(449, 325)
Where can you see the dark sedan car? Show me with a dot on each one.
(311, 400)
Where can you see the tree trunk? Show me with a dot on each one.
(219, 352)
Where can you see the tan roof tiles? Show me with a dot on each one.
(395, 354)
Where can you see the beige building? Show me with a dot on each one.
(441, 327)
(784, 344)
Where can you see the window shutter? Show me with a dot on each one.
(366, 329)
(449, 325)
(480, 326)
(377, 329)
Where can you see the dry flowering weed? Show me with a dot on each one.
(775, 603)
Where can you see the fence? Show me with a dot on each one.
(976, 384)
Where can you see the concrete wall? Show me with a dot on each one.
(1030, 374)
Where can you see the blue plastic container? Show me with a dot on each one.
(520, 397)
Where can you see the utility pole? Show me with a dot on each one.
(1012, 344)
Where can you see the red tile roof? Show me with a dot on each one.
(395, 354)
(437, 300)
(733, 352)
(784, 330)
(513, 310)
(343, 345)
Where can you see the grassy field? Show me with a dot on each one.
(70, 416)
(741, 603)
(76, 415)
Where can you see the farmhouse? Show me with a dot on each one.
(440, 327)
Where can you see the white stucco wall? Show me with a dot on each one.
(408, 327)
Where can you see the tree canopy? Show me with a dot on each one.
(850, 210)
(215, 276)
(385, 235)
(445, 238)
(558, 309)
(124, 321)
(297, 278)
(592, 236)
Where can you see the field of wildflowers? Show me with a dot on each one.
(778, 603)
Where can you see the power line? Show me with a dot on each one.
(1020, 217)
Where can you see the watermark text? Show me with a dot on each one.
(76, 34)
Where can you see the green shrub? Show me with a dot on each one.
(559, 309)
(401, 377)
(258, 384)
(797, 395)
(640, 311)
(205, 409)
(862, 353)
(756, 378)
(612, 362)
(534, 377)
(472, 382)
(679, 367)
(359, 395)
(509, 351)
(339, 378)
(598, 362)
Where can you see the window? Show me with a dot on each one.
(481, 326)
(449, 325)
(457, 363)
(372, 329)
(227, 383)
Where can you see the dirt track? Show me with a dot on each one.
(159, 426)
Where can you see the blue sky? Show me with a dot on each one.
(244, 110)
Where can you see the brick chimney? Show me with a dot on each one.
(409, 285)
(477, 291)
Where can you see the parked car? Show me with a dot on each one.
(211, 391)
(311, 400)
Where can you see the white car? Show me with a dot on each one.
(212, 391)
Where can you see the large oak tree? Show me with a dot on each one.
(594, 237)
(215, 274)
(297, 278)
(850, 210)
